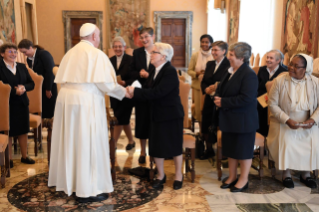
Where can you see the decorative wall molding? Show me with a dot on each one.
(67, 15)
(188, 15)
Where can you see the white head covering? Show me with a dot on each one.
(87, 29)
(309, 60)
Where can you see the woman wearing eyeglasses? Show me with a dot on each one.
(17, 76)
(166, 123)
(293, 131)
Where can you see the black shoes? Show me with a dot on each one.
(178, 184)
(309, 182)
(288, 183)
(224, 185)
(130, 146)
(141, 159)
(27, 160)
(234, 189)
(98, 198)
(159, 183)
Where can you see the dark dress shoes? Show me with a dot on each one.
(235, 189)
(98, 198)
(178, 184)
(224, 185)
(159, 183)
(130, 146)
(141, 159)
(288, 183)
(27, 160)
(309, 182)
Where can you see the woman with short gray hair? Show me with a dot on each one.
(167, 114)
(238, 118)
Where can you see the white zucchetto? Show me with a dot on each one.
(87, 29)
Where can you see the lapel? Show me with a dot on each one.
(287, 85)
(310, 91)
(7, 73)
(113, 61)
(235, 75)
(221, 66)
(36, 58)
(160, 73)
(143, 58)
(123, 61)
(279, 71)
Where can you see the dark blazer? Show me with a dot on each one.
(238, 112)
(263, 78)
(163, 95)
(210, 77)
(24, 78)
(43, 65)
(139, 62)
(124, 69)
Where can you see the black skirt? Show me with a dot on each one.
(48, 105)
(19, 119)
(207, 115)
(238, 146)
(142, 119)
(166, 139)
(122, 110)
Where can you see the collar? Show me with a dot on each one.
(120, 57)
(88, 42)
(273, 70)
(299, 80)
(217, 64)
(146, 52)
(8, 66)
(231, 70)
(160, 67)
(32, 58)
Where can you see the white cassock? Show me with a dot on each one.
(80, 159)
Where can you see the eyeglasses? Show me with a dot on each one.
(12, 52)
(154, 52)
(295, 66)
(145, 37)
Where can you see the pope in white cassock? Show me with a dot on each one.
(80, 159)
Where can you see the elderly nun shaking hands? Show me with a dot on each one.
(293, 132)
(166, 130)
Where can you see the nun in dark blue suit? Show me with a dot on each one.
(236, 98)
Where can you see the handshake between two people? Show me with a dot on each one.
(129, 92)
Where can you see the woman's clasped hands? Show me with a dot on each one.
(20, 89)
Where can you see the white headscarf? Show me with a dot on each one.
(309, 67)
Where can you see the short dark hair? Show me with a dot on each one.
(221, 44)
(148, 30)
(210, 38)
(25, 44)
(6, 46)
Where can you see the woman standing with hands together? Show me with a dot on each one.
(236, 98)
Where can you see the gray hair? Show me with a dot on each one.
(165, 49)
(222, 45)
(242, 50)
(118, 39)
(278, 55)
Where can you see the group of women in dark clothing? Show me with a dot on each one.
(17, 76)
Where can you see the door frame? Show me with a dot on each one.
(67, 15)
(188, 15)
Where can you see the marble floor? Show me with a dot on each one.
(26, 190)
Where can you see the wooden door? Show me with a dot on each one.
(173, 31)
(76, 24)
